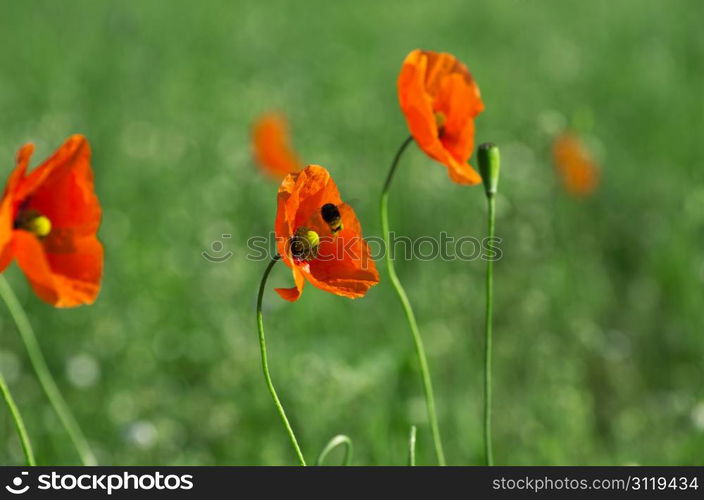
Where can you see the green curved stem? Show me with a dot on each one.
(405, 303)
(44, 375)
(265, 363)
(489, 454)
(412, 447)
(19, 423)
(339, 440)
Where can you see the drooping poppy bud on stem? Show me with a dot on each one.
(489, 165)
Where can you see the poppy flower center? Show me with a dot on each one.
(34, 222)
(440, 121)
(303, 245)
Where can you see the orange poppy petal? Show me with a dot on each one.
(31, 259)
(416, 104)
(293, 294)
(433, 85)
(272, 149)
(314, 188)
(23, 156)
(575, 166)
(65, 267)
(62, 188)
(6, 223)
(463, 173)
(8, 206)
(77, 265)
(61, 279)
(344, 266)
(439, 65)
(457, 101)
(6, 254)
(349, 288)
(63, 154)
(300, 196)
(582, 179)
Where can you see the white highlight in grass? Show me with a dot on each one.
(698, 416)
(82, 370)
(142, 433)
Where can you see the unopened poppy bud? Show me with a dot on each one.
(41, 226)
(489, 164)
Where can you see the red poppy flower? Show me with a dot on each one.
(319, 237)
(575, 166)
(272, 147)
(48, 222)
(440, 101)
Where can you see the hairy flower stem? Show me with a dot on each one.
(489, 168)
(265, 363)
(488, 451)
(339, 440)
(405, 303)
(44, 375)
(412, 447)
(19, 423)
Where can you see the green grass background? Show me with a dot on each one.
(599, 331)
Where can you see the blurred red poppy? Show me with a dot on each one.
(272, 146)
(48, 222)
(575, 166)
(440, 101)
(319, 237)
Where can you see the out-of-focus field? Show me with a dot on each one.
(599, 331)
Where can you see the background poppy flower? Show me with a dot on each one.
(440, 100)
(575, 166)
(340, 263)
(272, 146)
(48, 222)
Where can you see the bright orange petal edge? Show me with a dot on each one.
(575, 166)
(272, 146)
(65, 266)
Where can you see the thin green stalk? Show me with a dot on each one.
(265, 363)
(405, 303)
(339, 440)
(491, 202)
(19, 423)
(412, 447)
(489, 168)
(44, 375)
